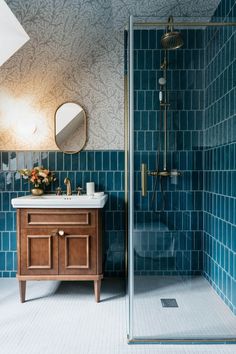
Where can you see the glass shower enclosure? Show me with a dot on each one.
(180, 168)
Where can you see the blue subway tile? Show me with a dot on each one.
(13, 241)
(83, 161)
(2, 260)
(91, 162)
(121, 161)
(95, 179)
(140, 59)
(137, 80)
(137, 39)
(149, 59)
(52, 161)
(59, 160)
(106, 160)
(144, 39)
(102, 181)
(114, 160)
(2, 221)
(98, 160)
(9, 265)
(5, 241)
(67, 162)
(152, 39)
(86, 178)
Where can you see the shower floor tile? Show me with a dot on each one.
(201, 313)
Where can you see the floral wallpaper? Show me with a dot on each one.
(75, 53)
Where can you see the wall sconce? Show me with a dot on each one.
(12, 34)
(22, 119)
(25, 128)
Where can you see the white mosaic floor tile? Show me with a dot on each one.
(63, 318)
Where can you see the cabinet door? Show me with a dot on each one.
(78, 252)
(38, 252)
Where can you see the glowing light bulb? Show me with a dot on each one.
(22, 120)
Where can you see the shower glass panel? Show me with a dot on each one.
(181, 166)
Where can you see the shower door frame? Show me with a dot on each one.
(129, 182)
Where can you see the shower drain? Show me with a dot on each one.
(169, 303)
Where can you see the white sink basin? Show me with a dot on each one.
(59, 201)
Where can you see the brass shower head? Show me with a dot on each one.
(171, 39)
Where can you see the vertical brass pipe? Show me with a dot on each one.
(126, 133)
(144, 179)
(165, 113)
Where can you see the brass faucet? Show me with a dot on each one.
(67, 182)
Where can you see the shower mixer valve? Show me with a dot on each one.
(155, 173)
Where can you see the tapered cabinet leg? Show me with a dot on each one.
(97, 289)
(22, 288)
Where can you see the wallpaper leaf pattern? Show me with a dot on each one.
(75, 53)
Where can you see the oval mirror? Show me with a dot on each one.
(70, 127)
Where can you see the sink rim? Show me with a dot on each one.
(64, 196)
(61, 201)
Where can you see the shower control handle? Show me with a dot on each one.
(144, 179)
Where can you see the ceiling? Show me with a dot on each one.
(180, 7)
(201, 9)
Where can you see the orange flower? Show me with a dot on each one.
(38, 175)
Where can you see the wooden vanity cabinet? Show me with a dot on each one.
(59, 244)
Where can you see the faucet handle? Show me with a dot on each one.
(79, 190)
(58, 191)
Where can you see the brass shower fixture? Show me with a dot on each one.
(171, 39)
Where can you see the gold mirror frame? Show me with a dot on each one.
(65, 149)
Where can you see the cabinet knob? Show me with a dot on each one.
(61, 233)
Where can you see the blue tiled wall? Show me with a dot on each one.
(105, 168)
(169, 241)
(220, 157)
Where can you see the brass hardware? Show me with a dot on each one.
(37, 191)
(171, 39)
(164, 173)
(144, 179)
(126, 116)
(67, 182)
(145, 173)
(164, 64)
(58, 191)
(164, 104)
(153, 173)
(58, 233)
(72, 138)
(185, 24)
(79, 190)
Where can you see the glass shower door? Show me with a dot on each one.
(170, 297)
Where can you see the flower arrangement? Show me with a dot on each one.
(38, 176)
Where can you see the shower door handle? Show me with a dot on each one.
(144, 179)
